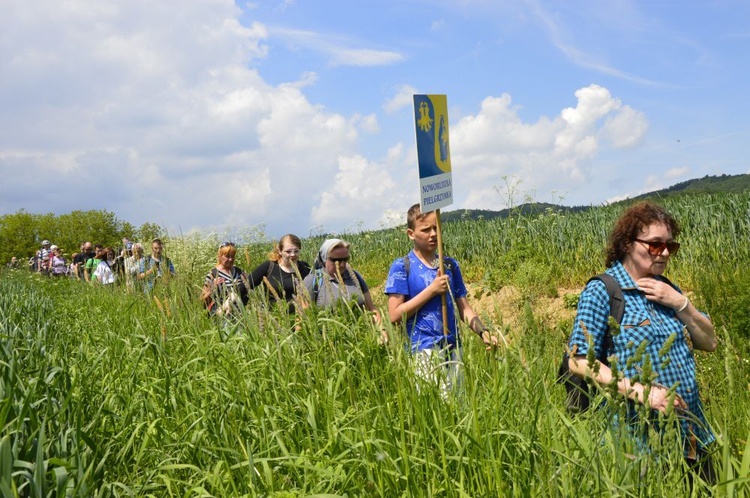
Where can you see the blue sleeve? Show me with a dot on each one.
(592, 318)
(459, 287)
(396, 283)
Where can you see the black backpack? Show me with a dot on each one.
(578, 398)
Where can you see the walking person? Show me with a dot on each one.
(334, 282)
(42, 258)
(660, 327)
(135, 265)
(281, 275)
(104, 273)
(80, 259)
(58, 264)
(92, 262)
(415, 287)
(157, 266)
(225, 287)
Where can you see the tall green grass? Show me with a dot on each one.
(105, 393)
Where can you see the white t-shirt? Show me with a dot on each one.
(104, 274)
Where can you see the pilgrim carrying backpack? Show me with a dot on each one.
(578, 398)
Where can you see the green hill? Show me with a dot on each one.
(705, 185)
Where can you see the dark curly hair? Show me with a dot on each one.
(630, 225)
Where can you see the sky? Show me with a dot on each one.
(297, 116)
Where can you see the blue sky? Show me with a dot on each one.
(296, 115)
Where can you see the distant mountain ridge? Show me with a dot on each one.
(705, 185)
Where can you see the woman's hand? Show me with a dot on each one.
(660, 292)
(660, 399)
(699, 326)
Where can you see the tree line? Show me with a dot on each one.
(21, 233)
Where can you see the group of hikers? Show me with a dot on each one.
(101, 265)
(648, 361)
(656, 326)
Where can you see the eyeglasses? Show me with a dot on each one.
(291, 252)
(656, 247)
(339, 260)
(226, 244)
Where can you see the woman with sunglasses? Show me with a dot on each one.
(660, 326)
(334, 281)
(282, 274)
(225, 286)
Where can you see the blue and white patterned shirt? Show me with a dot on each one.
(644, 323)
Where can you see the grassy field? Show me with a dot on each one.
(104, 393)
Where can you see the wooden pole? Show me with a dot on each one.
(441, 266)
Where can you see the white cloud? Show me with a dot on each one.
(308, 78)
(156, 111)
(150, 110)
(337, 49)
(617, 18)
(674, 173)
(548, 155)
(625, 129)
(653, 182)
(404, 97)
(365, 192)
(367, 123)
(363, 57)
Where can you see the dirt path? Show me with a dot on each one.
(506, 306)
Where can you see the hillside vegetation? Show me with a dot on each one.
(707, 185)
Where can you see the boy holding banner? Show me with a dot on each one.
(415, 288)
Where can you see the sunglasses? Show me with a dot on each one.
(339, 260)
(226, 244)
(656, 247)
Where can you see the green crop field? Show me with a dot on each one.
(105, 393)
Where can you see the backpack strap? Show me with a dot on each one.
(667, 281)
(616, 310)
(616, 298)
(317, 281)
(271, 268)
(211, 304)
(243, 284)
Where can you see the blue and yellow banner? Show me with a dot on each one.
(433, 151)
